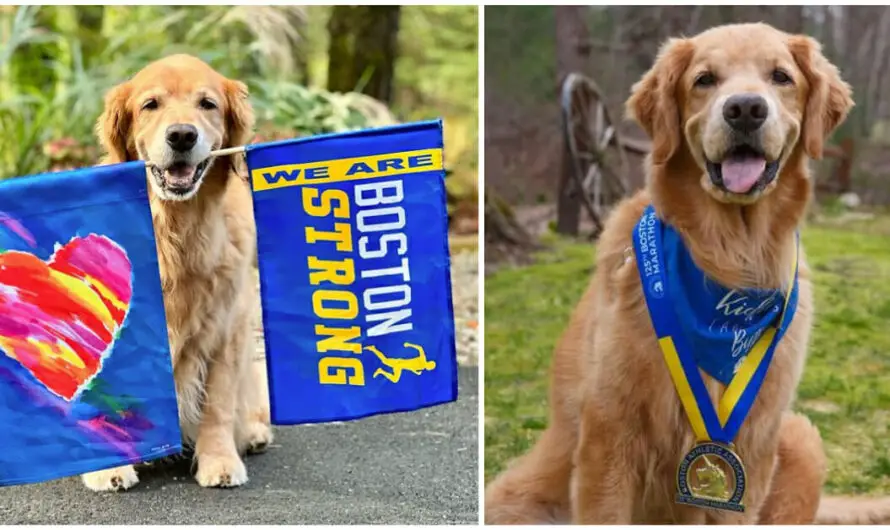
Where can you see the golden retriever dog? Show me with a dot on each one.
(739, 96)
(172, 114)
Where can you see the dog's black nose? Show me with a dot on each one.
(181, 136)
(745, 112)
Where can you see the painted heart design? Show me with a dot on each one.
(59, 318)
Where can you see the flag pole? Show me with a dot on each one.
(219, 152)
(229, 151)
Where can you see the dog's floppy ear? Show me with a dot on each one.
(113, 125)
(828, 102)
(239, 114)
(653, 99)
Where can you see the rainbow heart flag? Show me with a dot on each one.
(352, 233)
(86, 380)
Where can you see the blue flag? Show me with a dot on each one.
(86, 380)
(352, 234)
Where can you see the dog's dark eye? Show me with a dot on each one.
(207, 104)
(781, 77)
(705, 79)
(150, 104)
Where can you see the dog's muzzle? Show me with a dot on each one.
(182, 173)
(744, 169)
(180, 177)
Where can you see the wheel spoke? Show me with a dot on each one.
(593, 174)
(606, 138)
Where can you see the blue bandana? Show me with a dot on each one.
(730, 334)
(720, 324)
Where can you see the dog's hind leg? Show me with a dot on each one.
(253, 433)
(535, 487)
(799, 474)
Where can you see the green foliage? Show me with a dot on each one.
(305, 111)
(436, 76)
(846, 384)
(56, 62)
(527, 36)
(438, 60)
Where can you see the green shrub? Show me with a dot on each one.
(57, 62)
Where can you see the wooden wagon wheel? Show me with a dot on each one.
(598, 174)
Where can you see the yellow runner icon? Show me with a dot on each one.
(416, 365)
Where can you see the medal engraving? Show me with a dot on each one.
(711, 475)
(709, 479)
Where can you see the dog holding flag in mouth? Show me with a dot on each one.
(671, 389)
(172, 114)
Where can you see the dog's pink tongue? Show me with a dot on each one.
(740, 174)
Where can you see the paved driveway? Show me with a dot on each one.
(412, 468)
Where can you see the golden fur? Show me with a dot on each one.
(617, 429)
(206, 245)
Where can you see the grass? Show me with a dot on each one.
(846, 384)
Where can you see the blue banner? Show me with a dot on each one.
(86, 380)
(352, 234)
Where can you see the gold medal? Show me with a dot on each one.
(711, 475)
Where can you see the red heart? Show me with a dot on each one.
(59, 318)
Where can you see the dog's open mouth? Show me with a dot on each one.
(744, 170)
(180, 177)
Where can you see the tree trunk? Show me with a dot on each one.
(873, 92)
(362, 50)
(572, 55)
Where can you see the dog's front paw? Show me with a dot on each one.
(216, 471)
(259, 437)
(114, 479)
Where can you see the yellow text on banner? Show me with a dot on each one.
(343, 169)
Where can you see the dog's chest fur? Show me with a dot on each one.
(201, 278)
(204, 262)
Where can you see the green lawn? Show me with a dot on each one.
(846, 383)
